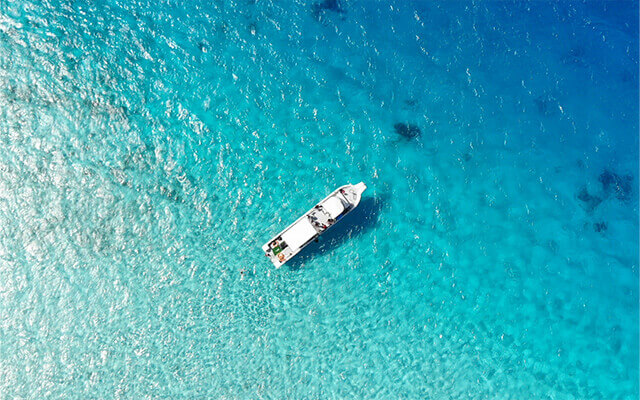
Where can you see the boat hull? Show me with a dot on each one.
(324, 215)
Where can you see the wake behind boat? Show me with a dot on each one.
(313, 223)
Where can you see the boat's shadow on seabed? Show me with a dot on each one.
(359, 221)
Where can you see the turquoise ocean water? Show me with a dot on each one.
(149, 148)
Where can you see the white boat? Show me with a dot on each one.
(313, 223)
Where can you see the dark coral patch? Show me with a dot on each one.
(546, 105)
(600, 226)
(410, 102)
(319, 9)
(590, 201)
(328, 5)
(408, 131)
(575, 56)
(607, 178)
(621, 186)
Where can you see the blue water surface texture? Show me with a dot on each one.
(149, 148)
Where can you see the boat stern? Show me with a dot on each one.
(273, 257)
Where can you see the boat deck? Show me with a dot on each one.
(313, 223)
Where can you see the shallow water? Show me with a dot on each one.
(148, 150)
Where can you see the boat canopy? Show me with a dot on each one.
(299, 233)
(333, 206)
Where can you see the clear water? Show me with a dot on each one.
(148, 149)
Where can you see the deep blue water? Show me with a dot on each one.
(149, 148)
